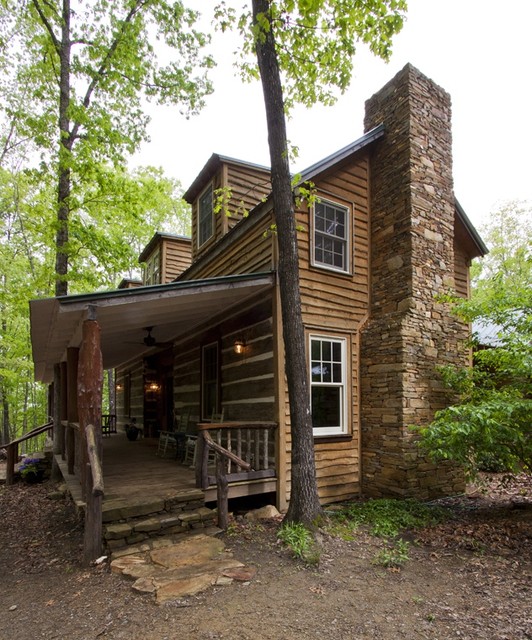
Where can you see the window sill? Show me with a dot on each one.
(341, 437)
(337, 272)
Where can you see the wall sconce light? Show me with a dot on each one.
(153, 386)
(239, 347)
(119, 387)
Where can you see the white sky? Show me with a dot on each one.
(477, 50)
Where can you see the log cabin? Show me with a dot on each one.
(202, 335)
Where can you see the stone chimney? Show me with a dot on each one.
(408, 332)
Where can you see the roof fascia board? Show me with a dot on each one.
(475, 236)
(153, 291)
(342, 154)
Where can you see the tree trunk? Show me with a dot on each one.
(65, 147)
(304, 504)
(6, 435)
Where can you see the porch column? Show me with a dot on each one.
(64, 407)
(72, 405)
(55, 407)
(90, 380)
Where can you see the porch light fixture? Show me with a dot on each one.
(119, 387)
(239, 347)
(152, 386)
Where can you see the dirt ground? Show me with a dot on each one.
(469, 578)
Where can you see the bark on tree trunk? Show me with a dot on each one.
(65, 147)
(304, 504)
(90, 382)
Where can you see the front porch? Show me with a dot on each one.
(148, 496)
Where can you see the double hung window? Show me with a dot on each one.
(328, 385)
(205, 216)
(331, 236)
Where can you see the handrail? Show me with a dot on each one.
(222, 484)
(92, 542)
(205, 426)
(12, 449)
(36, 431)
(94, 462)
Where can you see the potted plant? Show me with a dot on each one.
(132, 431)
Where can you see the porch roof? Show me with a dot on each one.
(173, 310)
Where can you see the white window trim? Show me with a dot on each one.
(321, 265)
(342, 428)
(207, 188)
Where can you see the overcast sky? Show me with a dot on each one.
(477, 50)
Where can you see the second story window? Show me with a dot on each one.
(205, 216)
(152, 269)
(331, 233)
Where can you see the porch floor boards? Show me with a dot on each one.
(132, 472)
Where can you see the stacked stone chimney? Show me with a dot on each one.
(408, 333)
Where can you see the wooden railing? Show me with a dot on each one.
(12, 449)
(92, 541)
(243, 451)
(91, 481)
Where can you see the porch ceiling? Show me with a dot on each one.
(173, 310)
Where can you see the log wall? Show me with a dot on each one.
(176, 257)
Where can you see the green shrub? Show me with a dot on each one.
(387, 517)
(300, 541)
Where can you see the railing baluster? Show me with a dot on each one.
(257, 449)
(265, 449)
(248, 458)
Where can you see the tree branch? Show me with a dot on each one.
(107, 59)
(47, 26)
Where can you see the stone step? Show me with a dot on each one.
(132, 507)
(174, 522)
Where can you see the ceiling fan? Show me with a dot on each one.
(150, 341)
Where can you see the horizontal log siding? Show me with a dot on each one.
(337, 304)
(187, 378)
(136, 403)
(249, 185)
(176, 258)
(248, 391)
(461, 272)
(246, 381)
(251, 254)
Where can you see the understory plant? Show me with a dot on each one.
(300, 541)
(31, 469)
(387, 518)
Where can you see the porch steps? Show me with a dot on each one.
(127, 523)
(139, 520)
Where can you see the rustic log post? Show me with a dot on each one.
(12, 455)
(90, 380)
(64, 408)
(72, 405)
(222, 492)
(56, 417)
(92, 536)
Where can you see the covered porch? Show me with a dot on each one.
(74, 338)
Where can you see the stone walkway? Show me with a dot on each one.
(172, 570)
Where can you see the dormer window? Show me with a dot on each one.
(205, 216)
(331, 236)
(152, 269)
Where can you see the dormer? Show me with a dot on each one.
(164, 258)
(232, 185)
